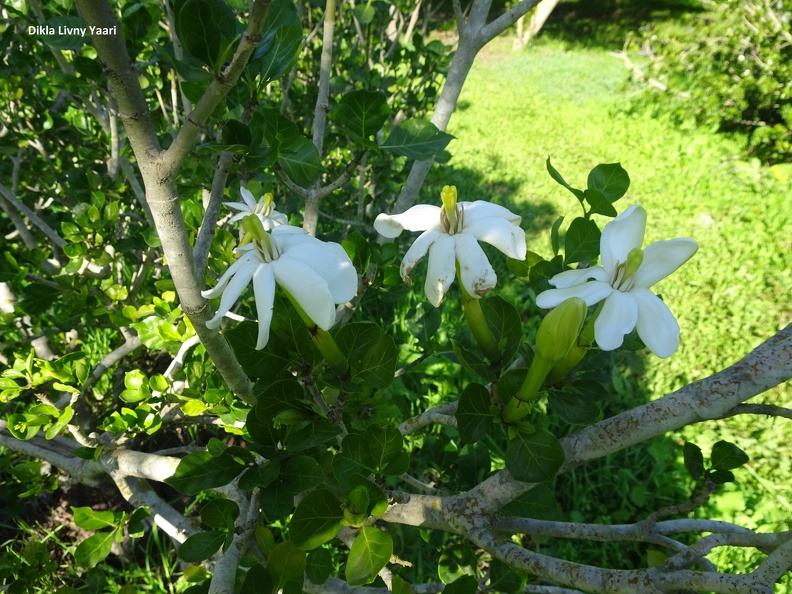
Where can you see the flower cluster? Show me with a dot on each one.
(315, 274)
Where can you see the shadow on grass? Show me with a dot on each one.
(607, 23)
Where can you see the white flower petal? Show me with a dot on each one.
(570, 278)
(247, 196)
(232, 292)
(417, 251)
(620, 236)
(418, 218)
(591, 292)
(657, 326)
(662, 258)
(239, 206)
(308, 289)
(279, 218)
(475, 271)
(618, 317)
(331, 262)
(481, 209)
(442, 269)
(223, 280)
(498, 232)
(264, 291)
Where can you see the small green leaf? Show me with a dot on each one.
(319, 566)
(316, 520)
(473, 413)
(370, 551)
(534, 457)
(94, 549)
(555, 242)
(727, 456)
(220, 514)
(89, 519)
(557, 177)
(201, 546)
(135, 526)
(582, 241)
(599, 204)
(694, 460)
(610, 180)
(416, 139)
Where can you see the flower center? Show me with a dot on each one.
(624, 274)
(452, 215)
(264, 206)
(262, 242)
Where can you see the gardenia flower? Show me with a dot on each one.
(263, 209)
(317, 274)
(451, 234)
(623, 281)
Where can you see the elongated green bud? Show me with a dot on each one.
(560, 329)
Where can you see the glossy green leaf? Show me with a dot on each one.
(504, 322)
(534, 457)
(599, 203)
(357, 248)
(236, 132)
(378, 364)
(89, 519)
(259, 475)
(94, 549)
(582, 241)
(257, 581)
(555, 241)
(269, 362)
(371, 550)
(286, 563)
(385, 444)
(66, 33)
(610, 180)
(362, 112)
(416, 139)
(220, 513)
(300, 473)
(467, 584)
(201, 546)
(572, 409)
(281, 51)
(472, 360)
(135, 525)
(354, 458)
(727, 456)
(316, 520)
(300, 160)
(200, 471)
(473, 414)
(206, 28)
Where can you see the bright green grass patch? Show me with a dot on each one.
(519, 108)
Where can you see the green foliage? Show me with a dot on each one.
(730, 68)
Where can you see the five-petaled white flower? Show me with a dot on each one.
(316, 274)
(451, 234)
(623, 281)
(263, 209)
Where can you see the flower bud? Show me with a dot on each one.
(560, 329)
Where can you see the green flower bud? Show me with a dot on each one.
(560, 329)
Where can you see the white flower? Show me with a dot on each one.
(450, 235)
(623, 281)
(317, 274)
(263, 209)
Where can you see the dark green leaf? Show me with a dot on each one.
(364, 13)
(281, 52)
(534, 457)
(319, 566)
(236, 132)
(220, 513)
(720, 477)
(363, 112)
(472, 361)
(503, 320)
(356, 339)
(301, 473)
(66, 34)
(555, 242)
(384, 444)
(582, 241)
(467, 584)
(257, 581)
(358, 250)
(572, 409)
(610, 180)
(473, 413)
(354, 458)
(727, 456)
(694, 460)
(599, 204)
(539, 503)
(259, 475)
(201, 546)
(316, 520)
(200, 471)
(206, 29)
(370, 551)
(378, 364)
(135, 527)
(506, 579)
(300, 160)
(474, 464)
(268, 363)
(416, 139)
(286, 563)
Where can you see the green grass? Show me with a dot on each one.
(519, 108)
